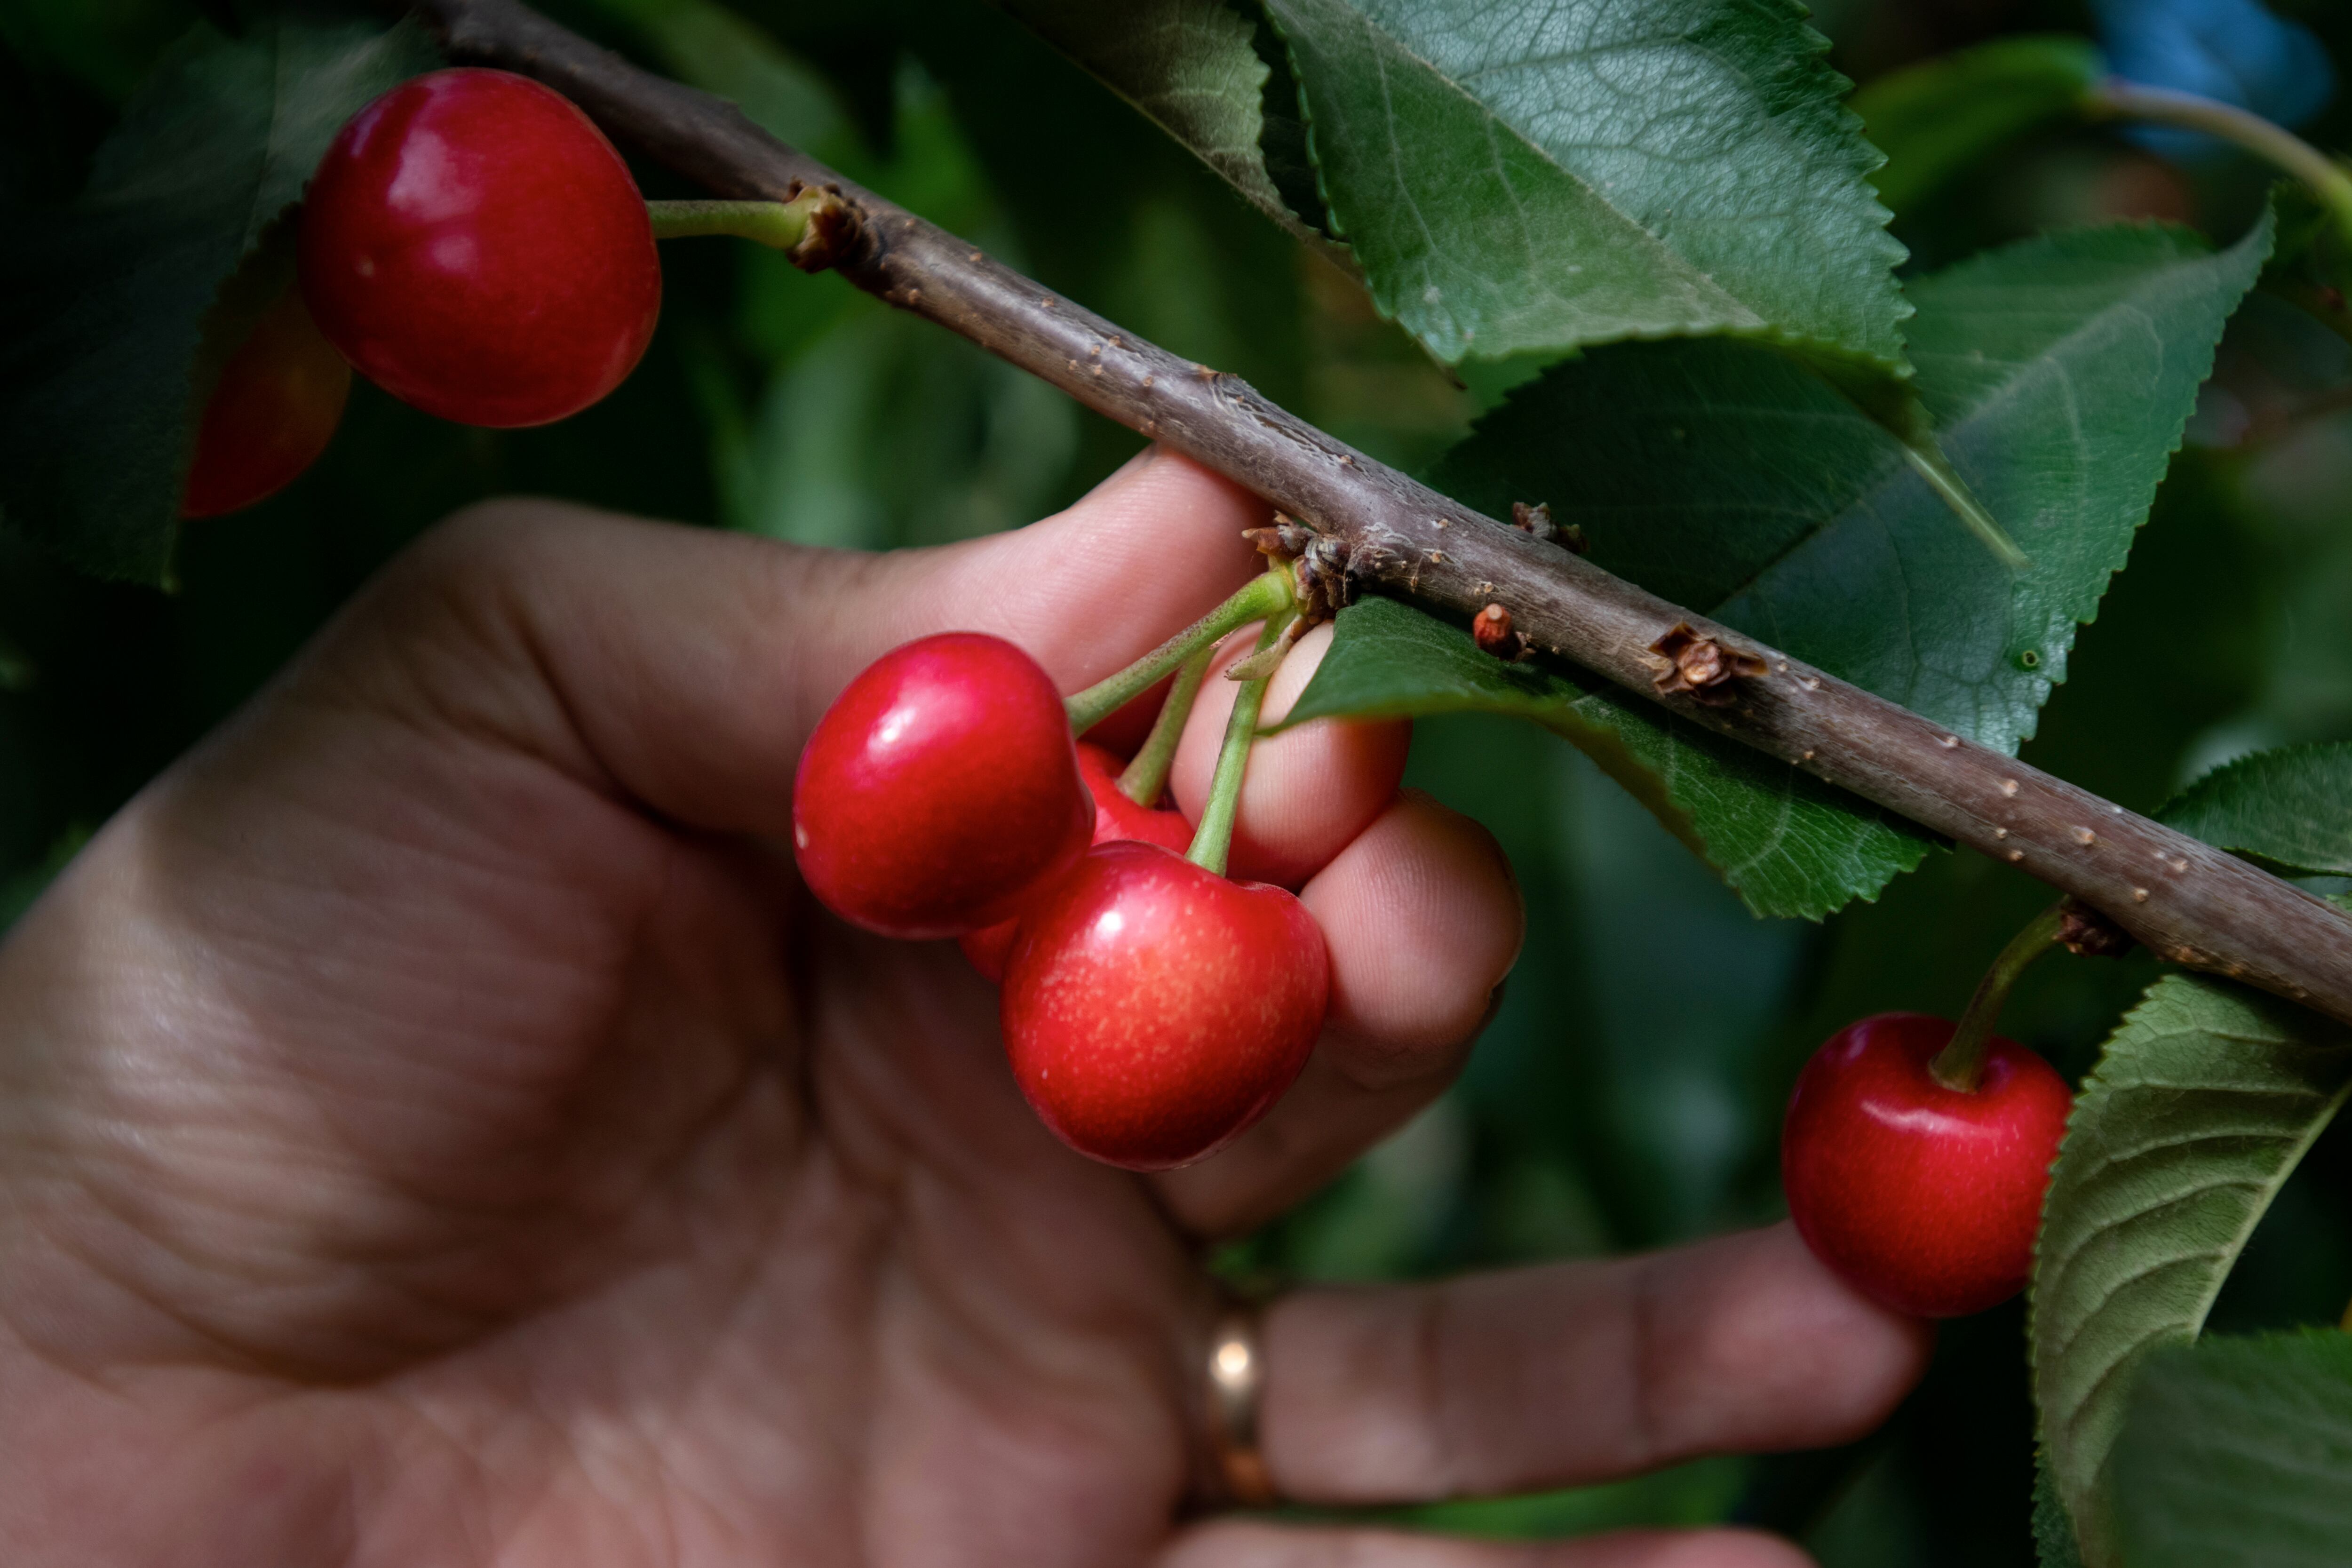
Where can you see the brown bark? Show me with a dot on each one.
(2191, 904)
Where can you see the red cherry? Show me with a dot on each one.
(1923, 1197)
(277, 403)
(1115, 818)
(475, 247)
(940, 790)
(1153, 1010)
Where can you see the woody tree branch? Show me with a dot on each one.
(2192, 904)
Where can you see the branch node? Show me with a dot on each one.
(2087, 934)
(1537, 521)
(1703, 667)
(832, 231)
(1319, 566)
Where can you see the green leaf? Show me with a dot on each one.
(2206, 1096)
(1190, 67)
(2059, 372)
(1938, 118)
(1532, 179)
(103, 306)
(2238, 1454)
(2290, 810)
(1789, 844)
(2053, 1528)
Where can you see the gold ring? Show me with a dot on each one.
(1237, 1382)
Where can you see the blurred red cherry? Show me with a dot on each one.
(276, 404)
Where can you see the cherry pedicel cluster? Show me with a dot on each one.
(1153, 1008)
(1916, 1150)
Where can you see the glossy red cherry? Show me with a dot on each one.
(1923, 1197)
(1153, 1010)
(940, 790)
(276, 404)
(475, 247)
(1115, 818)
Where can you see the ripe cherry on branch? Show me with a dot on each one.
(475, 247)
(276, 404)
(940, 790)
(1921, 1195)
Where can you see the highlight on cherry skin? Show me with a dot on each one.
(1115, 818)
(1922, 1197)
(473, 244)
(941, 791)
(1153, 1010)
(273, 411)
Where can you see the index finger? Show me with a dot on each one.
(1575, 1372)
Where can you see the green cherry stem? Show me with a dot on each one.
(2115, 98)
(1212, 840)
(781, 224)
(1145, 778)
(1267, 596)
(1960, 1064)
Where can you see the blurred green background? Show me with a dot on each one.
(1628, 1094)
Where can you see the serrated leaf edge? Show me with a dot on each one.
(1898, 370)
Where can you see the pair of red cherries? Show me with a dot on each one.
(1153, 1010)
(471, 244)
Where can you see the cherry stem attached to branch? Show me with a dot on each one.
(1145, 779)
(780, 226)
(1212, 840)
(1960, 1064)
(2116, 98)
(1268, 594)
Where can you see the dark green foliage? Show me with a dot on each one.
(2203, 1102)
(103, 306)
(1944, 115)
(2235, 1455)
(2284, 809)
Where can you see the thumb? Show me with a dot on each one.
(686, 668)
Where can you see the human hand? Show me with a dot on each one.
(435, 1129)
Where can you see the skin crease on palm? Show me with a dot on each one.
(435, 1129)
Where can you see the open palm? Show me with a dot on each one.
(436, 1129)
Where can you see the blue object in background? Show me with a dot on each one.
(2238, 51)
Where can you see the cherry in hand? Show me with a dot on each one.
(1923, 1196)
(1153, 1010)
(476, 248)
(277, 404)
(1115, 818)
(941, 791)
